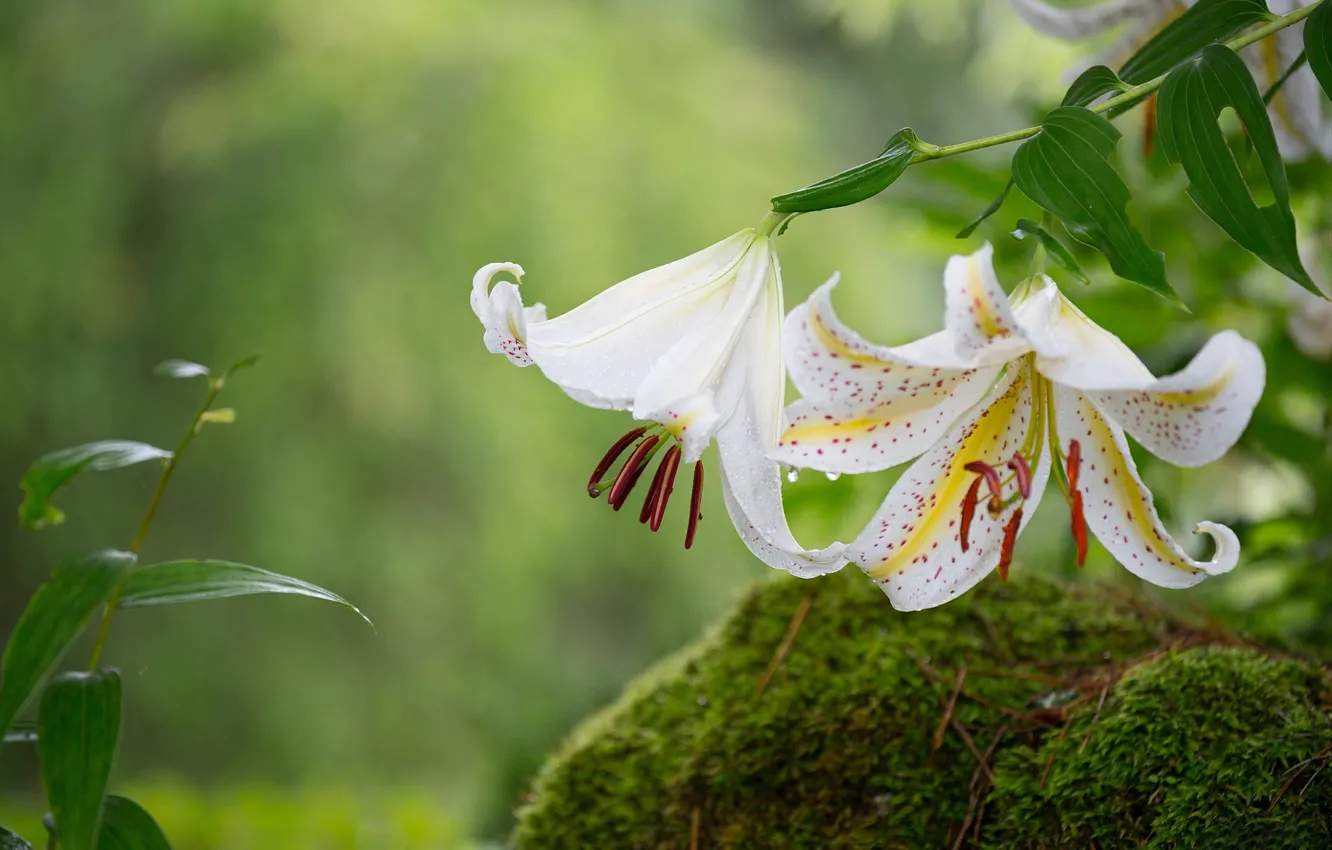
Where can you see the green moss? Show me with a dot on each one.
(1188, 749)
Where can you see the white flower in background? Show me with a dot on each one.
(1310, 321)
(1004, 396)
(1300, 113)
(694, 349)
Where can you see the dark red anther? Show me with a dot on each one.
(1079, 527)
(695, 505)
(1010, 538)
(629, 473)
(654, 490)
(611, 456)
(669, 466)
(1074, 460)
(991, 476)
(969, 511)
(1022, 472)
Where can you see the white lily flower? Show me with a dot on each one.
(1300, 114)
(1310, 321)
(694, 349)
(1006, 395)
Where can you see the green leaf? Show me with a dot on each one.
(180, 369)
(55, 615)
(52, 471)
(11, 841)
(1191, 101)
(127, 826)
(1053, 247)
(1206, 22)
(1066, 170)
(21, 732)
(1318, 45)
(1091, 85)
(78, 731)
(173, 582)
(987, 212)
(856, 184)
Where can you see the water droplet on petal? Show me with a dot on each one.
(793, 475)
(833, 476)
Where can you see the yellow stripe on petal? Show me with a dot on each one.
(992, 438)
(1118, 507)
(912, 547)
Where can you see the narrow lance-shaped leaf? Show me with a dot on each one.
(21, 732)
(12, 841)
(52, 471)
(180, 369)
(1091, 85)
(1318, 45)
(172, 582)
(1056, 250)
(987, 212)
(1066, 170)
(78, 731)
(1191, 101)
(1206, 22)
(127, 826)
(55, 615)
(855, 184)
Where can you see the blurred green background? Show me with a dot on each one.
(318, 182)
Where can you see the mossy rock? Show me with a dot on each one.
(1100, 719)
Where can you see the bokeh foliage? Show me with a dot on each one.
(319, 181)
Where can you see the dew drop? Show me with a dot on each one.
(793, 475)
(833, 476)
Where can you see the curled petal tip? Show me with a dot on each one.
(1227, 548)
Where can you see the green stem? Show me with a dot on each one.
(1127, 96)
(214, 387)
(772, 221)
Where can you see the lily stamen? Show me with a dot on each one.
(695, 505)
(991, 476)
(1010, 538)
(1022, 471)
(666, 475)
(631, 471)
(1075, 501)
(654, 491)
(968, 512)
(612, 454)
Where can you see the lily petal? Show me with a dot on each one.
(867, 407)
(1073, 349)
(678, 391)
(501, 311)
(1300, 117)
(1119, 508)
(750, 396)
(912, 547)
(1194, 416)
(1073, 23)
(605, 348)
(977, 312)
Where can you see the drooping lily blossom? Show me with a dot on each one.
(1300, 115)
(693, 349)
(1007, 395)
